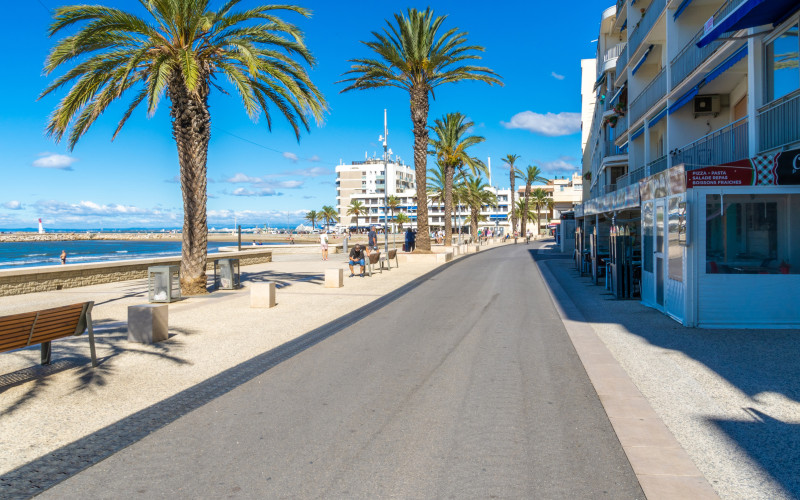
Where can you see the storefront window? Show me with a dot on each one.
(647, 237)
(783, 73)
(750, 234)
(676, 236)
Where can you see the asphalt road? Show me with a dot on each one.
(466, 387)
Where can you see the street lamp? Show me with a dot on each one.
(386, 153)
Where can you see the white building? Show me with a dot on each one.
(694, 150)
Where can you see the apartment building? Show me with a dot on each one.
(693, 154)
(566, 193)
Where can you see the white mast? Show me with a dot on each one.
(41, 228)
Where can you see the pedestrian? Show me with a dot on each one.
(63, 257)
(413, 241)
(372, 240)
(408, 239)
(323, 242)
(357, 257)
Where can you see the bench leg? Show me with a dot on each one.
(46, 353)
(91, 339)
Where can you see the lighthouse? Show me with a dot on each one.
(41, 228)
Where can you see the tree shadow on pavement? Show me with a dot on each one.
(283, 279)
(756, 362)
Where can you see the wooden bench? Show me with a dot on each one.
(42, 327)
(373, 260)
(392, 255)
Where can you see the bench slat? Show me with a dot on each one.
(12, 317)
(42, 323)
(28, 318)
(53, 323)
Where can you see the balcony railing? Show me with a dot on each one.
(656, 166)
(632, 177)
(620, 3)
(646, 23)
(612, 149)
(610, 54)
(622, 125)
(609, 188)
(730, 143)
(691, 56)
(778, 122)
(649, 96)
(622, 60)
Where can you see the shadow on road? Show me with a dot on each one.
(759, 363)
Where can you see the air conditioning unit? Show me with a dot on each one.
(706, 105)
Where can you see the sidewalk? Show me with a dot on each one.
(43, 409)
(730, 397)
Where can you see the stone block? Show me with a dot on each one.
(262, 294)
(334, 278)
(477, 248)
(148, 323)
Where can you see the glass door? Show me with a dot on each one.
(659, 252)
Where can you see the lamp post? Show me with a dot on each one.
(385, 185)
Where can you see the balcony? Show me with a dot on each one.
(612, 149)
(610, 57)
(631, 178)
(609, 188)
(656, 166)
(691, 57)
(653, 93)
(622, 60)
(779, 122)
(646, 24)
(730, 143)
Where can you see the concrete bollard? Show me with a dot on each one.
(262, 295)
(334, 278)
(477, 248)
(148, 323)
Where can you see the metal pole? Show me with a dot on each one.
(239, 230)
(385, 187)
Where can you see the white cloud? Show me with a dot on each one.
(291, 156)
(565, 164)
(289, 184)
(13, 205)
(241, 178)
(84, 208)
(260, 192)
(556, 75)
(53, 160)
(255, 217)
(310, 172)
(550, 124)
(315, 158)
(174, 180)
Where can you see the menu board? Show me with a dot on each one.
(720, 176)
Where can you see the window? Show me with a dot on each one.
(675, 232)
(749, 234)
(783, 73)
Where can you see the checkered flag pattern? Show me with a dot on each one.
(764, 166)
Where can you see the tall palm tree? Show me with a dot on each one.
(540, 199)
(392, 203)
(312, 216)
(450, 148)
(476, 196)
(529, 176)
(519, 211)
(413, 55)
(329, 213)
(181, 49)
(511, 160)
(355, 209)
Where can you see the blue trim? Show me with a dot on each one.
(624, 25)
(636, 134)
(642, 60)
(725, 65)
(657, 118)
(684, 99)
(680, 9)
(749, 14)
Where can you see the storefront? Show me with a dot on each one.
(721, 245)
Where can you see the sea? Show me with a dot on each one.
(14, 255)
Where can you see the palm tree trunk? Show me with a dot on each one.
(473, 224)
(191, 123)
(419, 117)
(525, 210)
(513, 213)
(449, 172)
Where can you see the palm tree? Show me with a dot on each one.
(476, 196)
(529, 176)
(450, 148)
(355, 209)
(402, 219)
(414, 56)
(312, 216)
(510, 160)
(181, 49)
(329, 214)
(392, 203)
(540, 198)
(519, 211)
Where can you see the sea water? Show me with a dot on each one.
(48, 253)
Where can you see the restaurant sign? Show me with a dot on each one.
(720, 176)
(774, 169)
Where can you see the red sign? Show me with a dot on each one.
(720, 176)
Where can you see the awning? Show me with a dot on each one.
(657, 118)
(600, 80)
(681, 8)
(749, 14)
(725, 65)
(641, 61)
(624, 25)
(636, 134)
(616, 95)
(684, 99)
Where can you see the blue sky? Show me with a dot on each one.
(269, 177)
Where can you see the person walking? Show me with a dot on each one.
(63, 257)
(323, 242)
(408, 237)
(372, 240)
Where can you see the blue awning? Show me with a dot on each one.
(657, 118)
(681, 8)
(684, 99)
(725, 65)
(641, 61)
(624, 25)
(749, 14)
(613, 100)
(636, 134)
